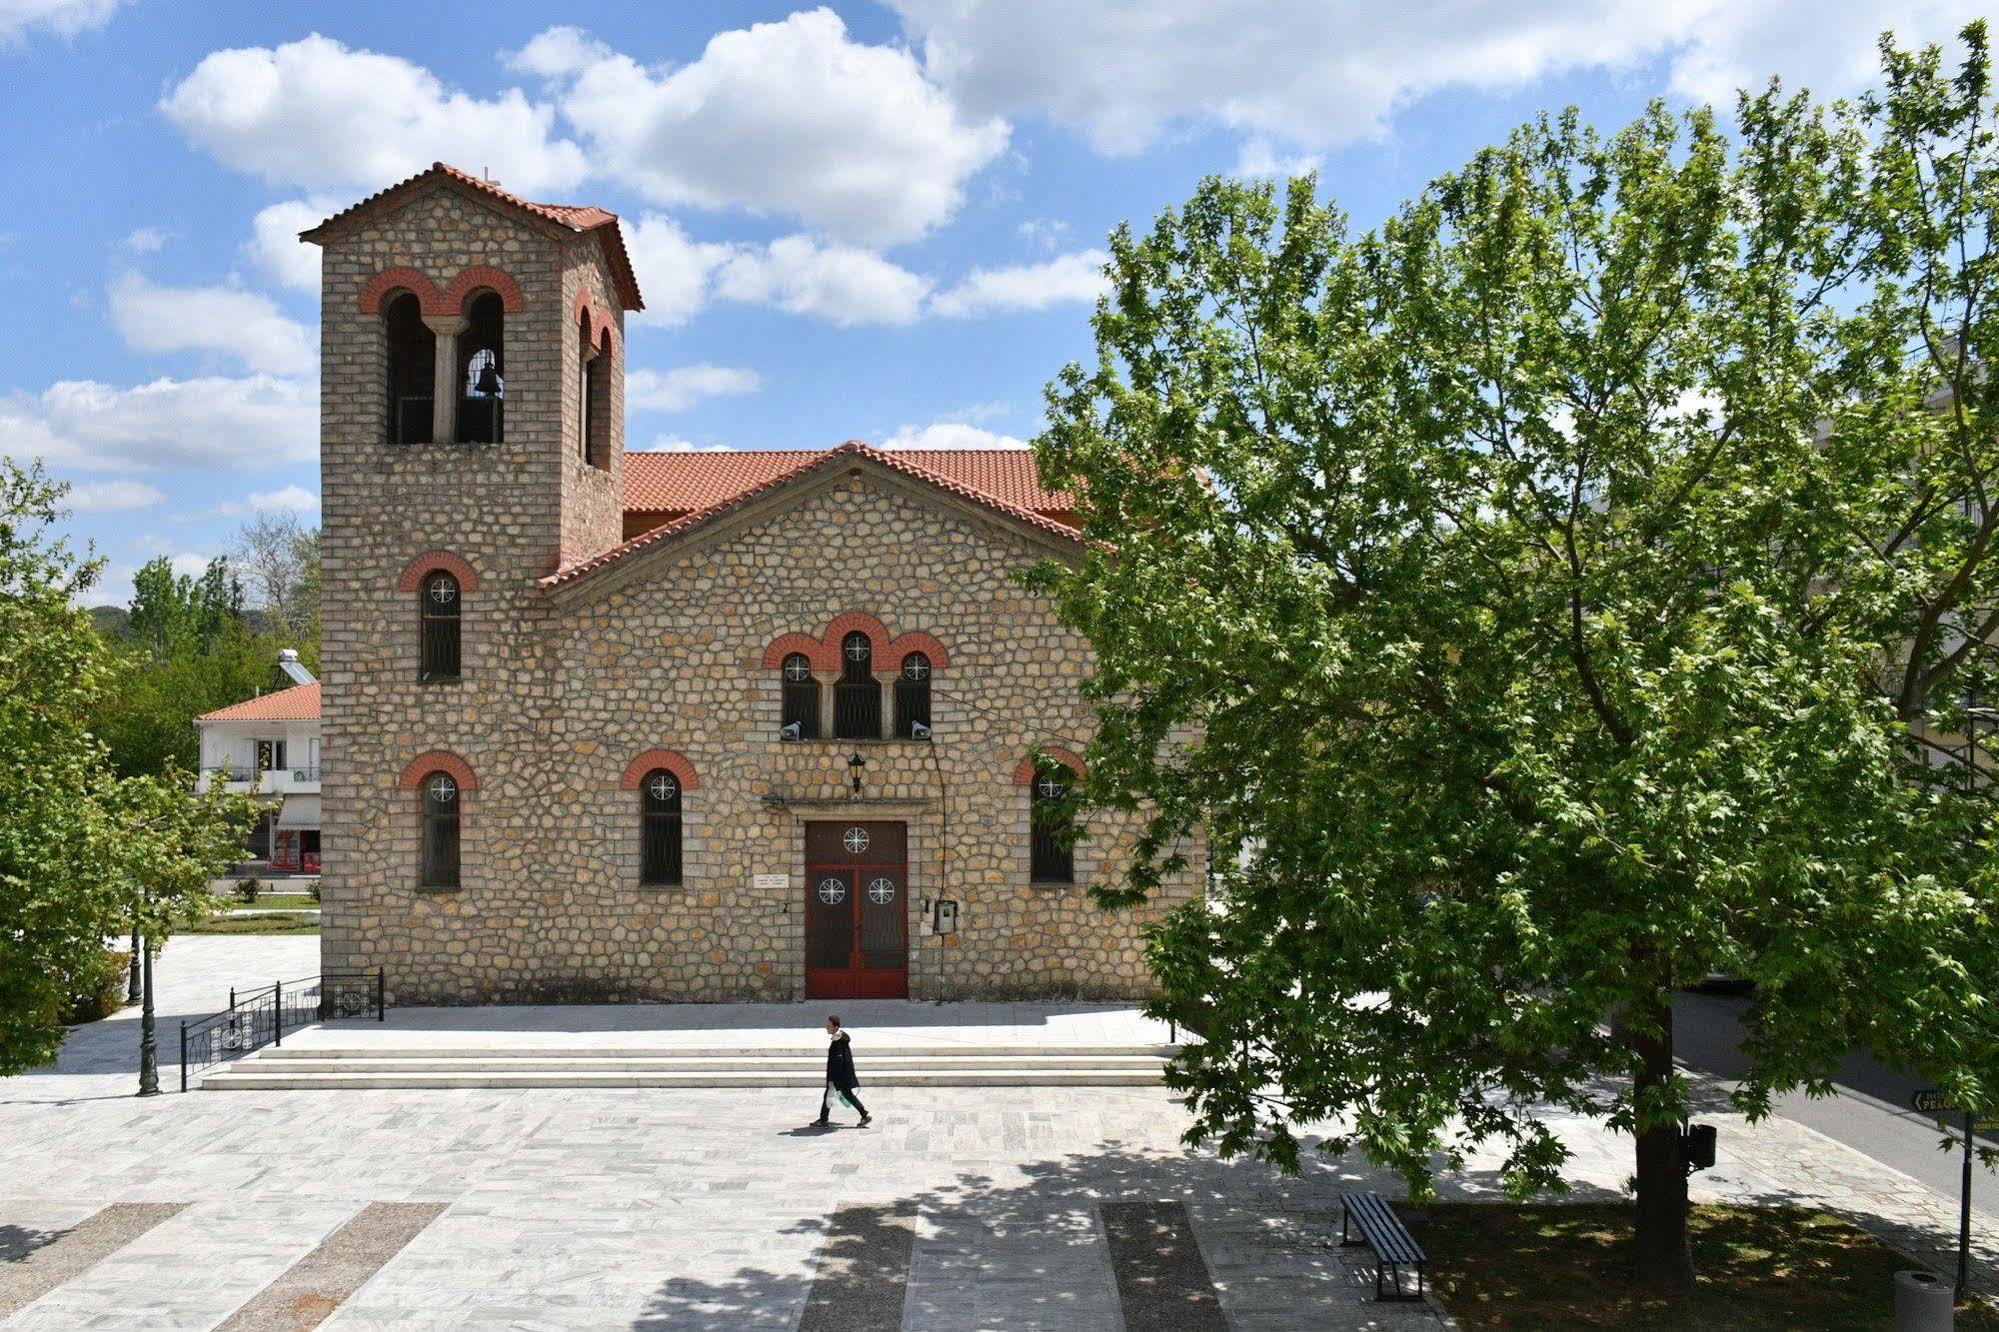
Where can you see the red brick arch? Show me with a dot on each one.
(420, 568)
(825, 650)
(475, 277)
(659, 758)
(602, 329)
(858, 622)
(1024, 774)
(449, 300)
(785, 644)
(438, 760)
(390, 280)
(918, 641)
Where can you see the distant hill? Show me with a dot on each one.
(110, 620)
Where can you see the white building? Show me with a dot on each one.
(269, 745)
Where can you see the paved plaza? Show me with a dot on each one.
(961, 1208)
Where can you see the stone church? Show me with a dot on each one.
(601, 725)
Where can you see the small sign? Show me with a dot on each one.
(771, 883)
(1930, 1101)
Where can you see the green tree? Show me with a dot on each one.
(55, 840)
(187, 649)
(1540, 601)
(83, 853)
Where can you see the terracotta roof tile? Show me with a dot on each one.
(804, 461)
(298, 703)
(675, 484)
(574, 217)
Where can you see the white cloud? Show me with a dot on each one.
(65, 18)
(1043, 232)
(1315, 74)
(317, 114)
(675, 444)
(144, 240)
(833, 282)
(222, 320)
(1827, 45)
(1259, 157)
(1066, 277)
(792, 117)
(275, 245)
(673, 270)
(681, 387)
(950, 435)
(798, 274)
(287, 499)
(232, 424)
(118, 496)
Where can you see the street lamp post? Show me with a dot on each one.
(132, 971)
(149, 1054)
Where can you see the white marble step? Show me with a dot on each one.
(536, 1062)
(726, 1052)
(249, 1075)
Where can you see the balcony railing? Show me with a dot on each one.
(271, 779)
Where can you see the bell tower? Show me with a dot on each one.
(471, 442)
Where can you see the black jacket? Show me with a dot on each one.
(840, 1064)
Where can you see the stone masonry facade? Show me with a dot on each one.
(665, 650)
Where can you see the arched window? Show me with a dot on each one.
(412, 371)
(1053, 858)
(593, 425)
(912, 695)
(801, 696)
(482, 385)
(857, 699)
(440, 797)
(659, 829)
(438, 617)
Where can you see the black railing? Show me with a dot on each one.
(260, 1017)
(481, 420)
(857, 710)
(414, 419)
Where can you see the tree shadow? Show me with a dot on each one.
(1025, 1247)
(18, 1242)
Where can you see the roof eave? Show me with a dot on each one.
(566, 586)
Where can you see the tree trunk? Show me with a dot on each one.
(1665, 1261)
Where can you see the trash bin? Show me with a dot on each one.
(1923, 1302)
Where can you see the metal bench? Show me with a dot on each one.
(1381, 1230)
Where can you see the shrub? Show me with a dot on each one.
(247, 889)
(100, 990)
(313, 888)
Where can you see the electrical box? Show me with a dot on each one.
(947, 916)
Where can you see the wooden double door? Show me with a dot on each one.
(856, 910)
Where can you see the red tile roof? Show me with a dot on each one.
(298, 703)
(807, 461)
(574, 217)
(672, 485)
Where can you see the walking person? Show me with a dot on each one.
(840, 1077)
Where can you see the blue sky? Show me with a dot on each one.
(872, 221)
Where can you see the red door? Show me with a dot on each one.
(856, 915)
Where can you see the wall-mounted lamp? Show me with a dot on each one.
(855, 766)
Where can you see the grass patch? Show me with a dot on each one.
(239, 923)
(269, 902)
(1567, 1265)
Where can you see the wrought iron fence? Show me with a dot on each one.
(260, 1017)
